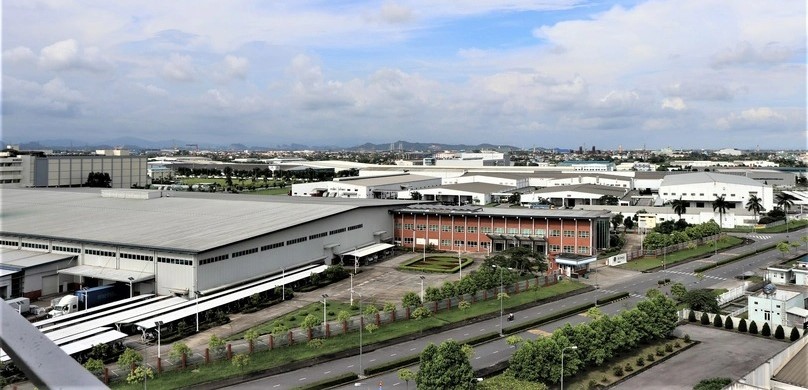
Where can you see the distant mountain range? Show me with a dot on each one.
(133, 143)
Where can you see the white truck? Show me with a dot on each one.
(21, 305)
(66, 305)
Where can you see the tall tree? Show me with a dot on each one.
(445, 367)
(721, 205)
(520, 258)
(755, 205)
(679, 207)
(784, 201)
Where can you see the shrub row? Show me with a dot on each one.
(409, 360)
(730, 260)
(611, 298)
(331, 382)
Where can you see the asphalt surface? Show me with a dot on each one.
(610, 280)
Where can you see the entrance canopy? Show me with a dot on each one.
(118, 275)
(369, 250)
(574, 260)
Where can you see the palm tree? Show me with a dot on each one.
(679, 207)
(754, 205)
(784, 202)
(721, 205)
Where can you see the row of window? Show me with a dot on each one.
(169, 260)
(338, 231)
(245, 252)
(8, 243)
(272, 246)
(318, 235)
(583, 250)
(34, 245)
(496, 230)
(296, 240)
(96, 252)
(456, 243)
(136, 256)
(354, 227)
(214, 259)
(69, 249)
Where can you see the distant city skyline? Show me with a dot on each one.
(690, 74)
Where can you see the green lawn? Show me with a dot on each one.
(266, 359)
(646, 263)
(435, 263)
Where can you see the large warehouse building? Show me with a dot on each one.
(186, 242)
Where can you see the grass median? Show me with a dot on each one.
(263, 361)
(648, 263)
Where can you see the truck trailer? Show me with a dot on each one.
(85, 299)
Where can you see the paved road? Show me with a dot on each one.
(493, 352)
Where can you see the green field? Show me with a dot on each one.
(646, 263)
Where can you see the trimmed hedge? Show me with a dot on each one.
(331, 382)
(611, 298)
(731, 259)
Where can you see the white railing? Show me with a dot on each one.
(731, 295)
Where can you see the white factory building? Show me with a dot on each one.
(395, 186)
(185, 242)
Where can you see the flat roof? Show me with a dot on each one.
(179, 221)
(588, 188)
(24, 259)
(708, 177)
(483, 188)
(384, 180)
(504, 211)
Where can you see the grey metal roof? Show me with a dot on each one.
(794, 372)
(384, 180)
(25, 259)
(482, 188)
(501, 175)
(191, 222)
(707, 177)
(588, 188)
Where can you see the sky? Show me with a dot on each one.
(549, 73)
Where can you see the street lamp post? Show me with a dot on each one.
(573, 347)
(325, 303)
(131, 279)
(85, 297)
(460, 261)
(422, 289)
(500, 301)
(351, 275)
(283, 284)
(361, 373)
(198, 294)
(158, 324)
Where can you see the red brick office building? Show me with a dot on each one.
(569, 238)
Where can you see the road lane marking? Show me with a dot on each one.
(351, 366)
(327, 372)
(465, 334)
(372, 360)
(393, 354)
(301, 379)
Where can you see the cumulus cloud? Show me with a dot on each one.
(745, 53)
(19, 54)
(703, 90)
(236, 67)
(675, 103)
(65, 55)
(152, 89)
(752, 117)
(179, 68)
(51, 98)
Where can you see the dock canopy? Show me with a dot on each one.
(118, 275)
(574, 260)
(368, 250)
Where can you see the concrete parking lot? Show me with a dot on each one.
(721, 353)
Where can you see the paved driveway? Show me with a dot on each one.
(721, 353)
